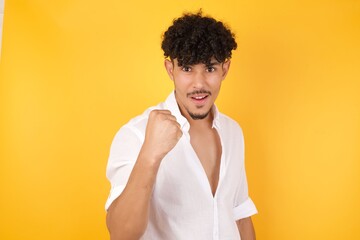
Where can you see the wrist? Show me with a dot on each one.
(149, 156)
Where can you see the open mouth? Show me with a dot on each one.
(199, 99)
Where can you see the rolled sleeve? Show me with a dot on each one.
(114, 193)
(245, 209)
(123, 154)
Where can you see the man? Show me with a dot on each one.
(177, 171)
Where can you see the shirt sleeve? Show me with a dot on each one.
(244, 206)
(244, 210)
(124, 151)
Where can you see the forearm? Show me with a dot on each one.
(246, 229)
(128, 215)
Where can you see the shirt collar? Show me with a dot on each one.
(172, 105)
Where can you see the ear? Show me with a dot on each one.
(225, 68)
(169, 66)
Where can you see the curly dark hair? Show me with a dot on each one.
(194, 38)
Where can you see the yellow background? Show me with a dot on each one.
(73, 71)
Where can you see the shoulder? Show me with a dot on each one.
(137, 125)
(232, 134)
(229, 125)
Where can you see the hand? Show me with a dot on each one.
(162, 134)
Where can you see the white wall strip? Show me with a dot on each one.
(1, 22)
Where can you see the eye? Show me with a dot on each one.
(210, 69)
(186, 69)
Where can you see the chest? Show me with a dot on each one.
(207, 147)
(183, 181)
(202, 164)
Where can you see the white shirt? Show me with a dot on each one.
(182, 204)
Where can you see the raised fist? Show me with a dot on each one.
(162, 134)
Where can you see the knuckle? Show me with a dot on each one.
(153, 113)
(179, 135)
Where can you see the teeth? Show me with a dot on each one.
(198, 98)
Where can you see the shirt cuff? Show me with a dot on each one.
(114, 193)
(244, 210)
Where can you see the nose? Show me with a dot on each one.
(199, 80)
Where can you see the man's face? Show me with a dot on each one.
(197, 86)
